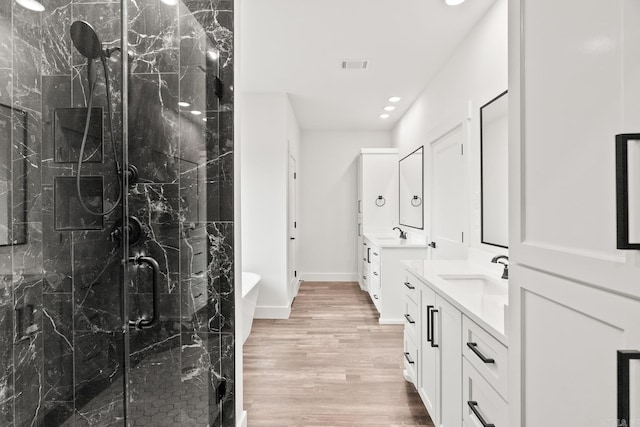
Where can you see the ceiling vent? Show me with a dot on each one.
(354, 64)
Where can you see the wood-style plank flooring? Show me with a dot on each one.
(329, 364)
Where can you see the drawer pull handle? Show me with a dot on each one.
(432, 327)
(375, 273)
(406, 356)
(472, 404)
(409, 285)
(474, 347)
(624, 412)
(409, 319)
(375, 296)
(364, 259)
(429, 307)
(365, 277)
(375, 254)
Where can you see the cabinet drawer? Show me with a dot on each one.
(411, 318)
(411, 359)
(478, 344)
(411, 289)
(375, 254)
(480, 400)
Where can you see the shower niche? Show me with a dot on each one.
(68, 130)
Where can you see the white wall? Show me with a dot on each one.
(475, 74)
(269, 132)
(328, 202)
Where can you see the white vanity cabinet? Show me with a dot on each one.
(377, 204)
(440, 385)
(461, 369)
(385, 275)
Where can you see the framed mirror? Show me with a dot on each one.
(494, 172)
(628, 191)
(411, 189)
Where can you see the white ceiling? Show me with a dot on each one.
(295, 46)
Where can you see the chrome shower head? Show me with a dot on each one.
(86, 40)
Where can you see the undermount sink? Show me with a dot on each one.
(477, 283)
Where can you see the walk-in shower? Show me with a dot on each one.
(116, 213)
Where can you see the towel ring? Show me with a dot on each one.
(380, 201)
(416, 201)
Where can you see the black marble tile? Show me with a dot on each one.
(6, 50)
(221, 267)
(227, 370)
(153, 36)
(97, 281)
(154, 126)
(56, 93)
(157, 206)
(27, 66)
(69, 130)
(99, 378)
(27, 257)
(220, 201)
(27, 154)
(6, 338)
(28, 349)
(56, 249)
(202, 379)
(58, 348)
(56, 21)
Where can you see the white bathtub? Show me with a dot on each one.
(250, 291)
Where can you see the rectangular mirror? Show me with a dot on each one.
(494, 171)
(628, 190)
(411, 189)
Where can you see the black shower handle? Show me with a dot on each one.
(143, 323)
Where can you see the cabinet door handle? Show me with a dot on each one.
(472, 404)
(433, 322)
(406, 356)
(409, 319)
(429, 338)
(474, 347)
(375, 274)
(369, 255)
(365, 277)
(624, 410)
(364, 259)
(375, 254)
(375, 296)
(409, 285)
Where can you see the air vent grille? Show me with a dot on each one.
(354, 64)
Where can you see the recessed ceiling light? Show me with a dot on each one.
(213, 54)
(389, 108)
(384, 116)
(183, 104)
(196, 112)
(34, 5)
(453, 2)
(394, 99)
(170, 2)
(204, 119)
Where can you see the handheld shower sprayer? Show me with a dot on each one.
(86, 41)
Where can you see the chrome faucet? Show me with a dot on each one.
(403, 234)
(497, 260)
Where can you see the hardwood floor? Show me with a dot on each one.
(329, 364)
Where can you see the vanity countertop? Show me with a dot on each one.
(396, 242)
(485, 305)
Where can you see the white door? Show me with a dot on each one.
(448, 197)
(574, 297)
(291, 195)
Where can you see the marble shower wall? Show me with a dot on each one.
(62, 351)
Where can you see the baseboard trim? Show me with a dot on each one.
(390, 321)
(272, 312)
(329, 277)
(242, 421)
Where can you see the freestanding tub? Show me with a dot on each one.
(250, 291)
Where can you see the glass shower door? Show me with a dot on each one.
(116, 272)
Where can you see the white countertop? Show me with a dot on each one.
(396, 242)
(486, 308)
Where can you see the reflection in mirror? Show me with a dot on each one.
(633, 165)
(494, 171)
(411, 190)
